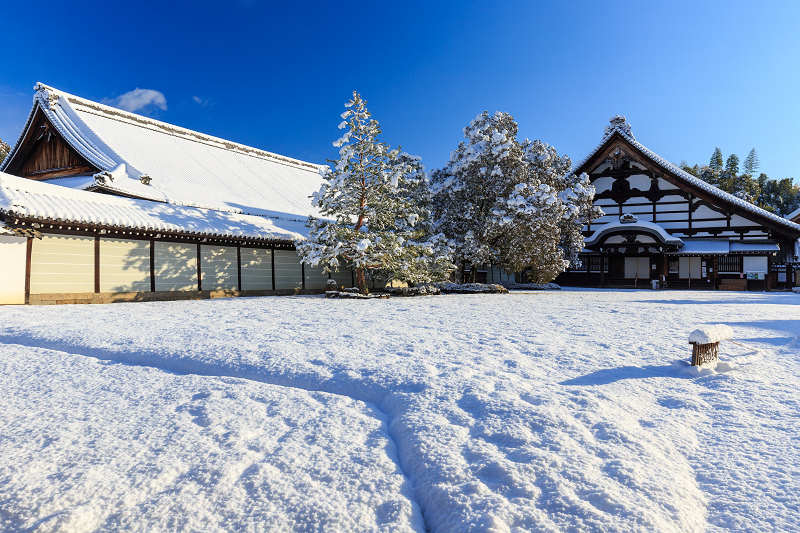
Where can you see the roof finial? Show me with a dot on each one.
(46, 95)
(618, 123)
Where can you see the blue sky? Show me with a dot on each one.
(689, 76)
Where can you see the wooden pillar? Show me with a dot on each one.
(199, 272)
(238, 267)
(96, 264)
(28, 255)
(152, 265)
(272, 257)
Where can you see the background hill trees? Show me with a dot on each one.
(4, 149)
(778, 196)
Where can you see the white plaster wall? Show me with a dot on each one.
(689, 267)
(124, 265)
(176, 266)
(315, 279)
(256, 269)
(756, 263)
(288, 271)
(640, 182)
(62, 264)
(637, 267)
(12, 269)
(218, 268)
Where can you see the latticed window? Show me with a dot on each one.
(730, 263)
(595, 263)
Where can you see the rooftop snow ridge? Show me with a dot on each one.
(24, 198)
(50, 96)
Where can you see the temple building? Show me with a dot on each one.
(101, 205)
(661, 224)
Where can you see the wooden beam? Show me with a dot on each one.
(199, 268)
(28, 255)
(238, 267)
(152, 265)
(272, 256)
(96, 264)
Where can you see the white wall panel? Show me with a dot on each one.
(689, 267)
(664, 185)
(288, 271)
(602, 184)
(124, 265)
(637, 267)
(639, 181)
(736, 221)
(12, 269)
(61, 263)
(756, 263)
(345, 277)
(256, 269)
(315, 279)
(218, 268)
(176, 266)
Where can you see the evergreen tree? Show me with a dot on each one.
(732, 165)
(751, 162)
(368, 206)
(716, 160)
(425, 255)
(710, 175)
(694, 171)
(4, 149)
(511, 203)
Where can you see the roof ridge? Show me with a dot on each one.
(53, 95)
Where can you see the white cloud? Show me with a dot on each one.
(139, 99)
(203, 102)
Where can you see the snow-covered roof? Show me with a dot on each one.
(637, 227)
(25, 198)
(619, 125)
(740, 247)
(703, 246)
(184, 167)
(793, 215)
(723, 247)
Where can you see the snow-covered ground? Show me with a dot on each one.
(533, 411)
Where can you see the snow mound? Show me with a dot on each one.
(530, 286)
(470, 288)
(709, 334)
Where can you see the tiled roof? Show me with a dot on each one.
(24, 198)
(184, 167)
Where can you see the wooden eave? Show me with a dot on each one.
(41, 130)
(617, 141)
(71, 228)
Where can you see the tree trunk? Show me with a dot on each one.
(361, 281)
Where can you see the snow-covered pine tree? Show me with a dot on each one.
(511, 203)
(368, 205)
(468, 187)
(425, 255)
(4, 149)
